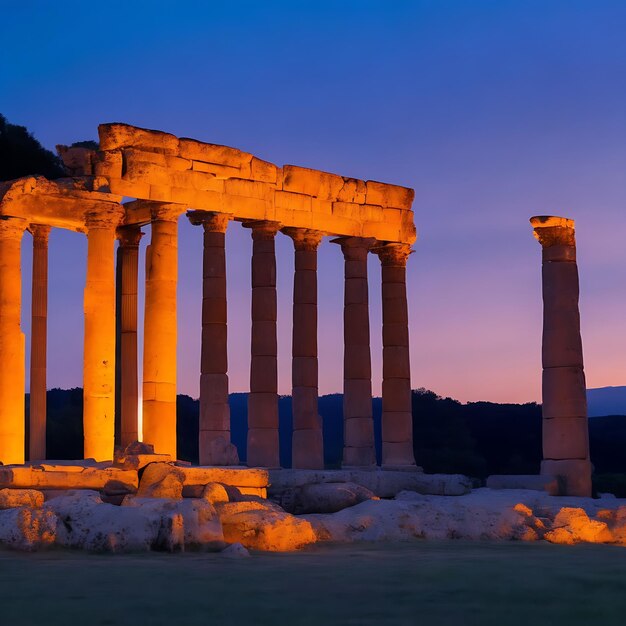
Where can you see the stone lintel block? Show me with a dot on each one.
(311, 182)
(307, 449)
(263, 410)
(264, 304)
(292, 201)
(395, 335)
(214, 286)
(222, 172)
(264, 339)
(575, 475)
(131, 189)
(263, 170)
(151, 173)
(564, 392)
(304, 371)
(115, 135)
(263, 269)
(214, 417)
(396, 362)
(565, 438)
(353, 190)
(386, 231)
(214, 353)
(358, 432)
(357, 398)
(214, 311)
(357, 362)
(160, 193)
(263, 447)
(213, 153)
(321, 208)
(249, 189)
(247, 208)
(214, 388)
(108, 164)
(24, 477)
(389, 195)
(399, 453)
(371, 213)
(355, 291)
(305, 287)
(349, 210)
(396, 394)
(263, 374)
(397, 426)
(237, 477)
(198, 181)
(304, 408)
(359, 457)
(168, 161)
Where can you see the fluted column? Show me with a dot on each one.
(99, 351)
(397, 420)
(159, 349)
(214, 444)
(12, 347)
(308, 446)
(38, 342)
(263, 396)
(565, 427)
(128, 392)
(358, 423)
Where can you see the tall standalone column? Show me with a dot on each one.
(263, 397)
(159, 348)
(215, 446)
(128, 392)
(565, 428)
(397, 420)
(99, 351)
(12, 350)
(358, 423)
(308, 446)
(38, 342)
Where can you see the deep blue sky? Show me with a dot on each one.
(493, 111)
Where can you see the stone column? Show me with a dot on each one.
(397, 419)
(159, 349)
(12, 347)
(128, 392)
(215, 446)
(358, 429)
(263, 397)
(565, 428)
(38, 342)
(308, 446)
(99, 351)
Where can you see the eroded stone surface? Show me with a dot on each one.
(12, 498)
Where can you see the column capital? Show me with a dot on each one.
(104, 217)
(211, 221)
(129, 236)
(165, 211)
(12, 227)
(262, 229)
(552, 230)
(393, 254)
(40, 232)
(355, 247)
(304, 238)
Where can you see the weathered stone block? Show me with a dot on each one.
(359, 432)
(396, 362)
(389, 195)
(565, 438)
(113, 136)
(13, 498)
(357, 398)
(397, 426)
(293, 201)
(263, 374)
(396, 394)
(264, 338)
(263, 410)
(353, 190)
(249, 189)
(574, 474)
(311, 182)
(564, 392)
(213, 153)
(263, 171)
(108, 164)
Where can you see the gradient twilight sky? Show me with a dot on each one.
(493, 110)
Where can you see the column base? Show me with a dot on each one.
(574, 474)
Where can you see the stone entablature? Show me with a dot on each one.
(152, 165)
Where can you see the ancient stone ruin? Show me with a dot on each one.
(166, 176)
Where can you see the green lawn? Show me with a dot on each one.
(452, 582)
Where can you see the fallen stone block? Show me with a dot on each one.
(215, 493)
(534, 482)
(247, 481)
(580, 526)
(23, 477)
(161, 480)
(85, 522)
(27, 529)
(201, 525)
(13, 498)
(324, 497)
(267, 530)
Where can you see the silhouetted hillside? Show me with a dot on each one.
(22, 155)
(478, 438)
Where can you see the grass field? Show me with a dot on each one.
(437, 583)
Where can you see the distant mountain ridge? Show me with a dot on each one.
(606, 401)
